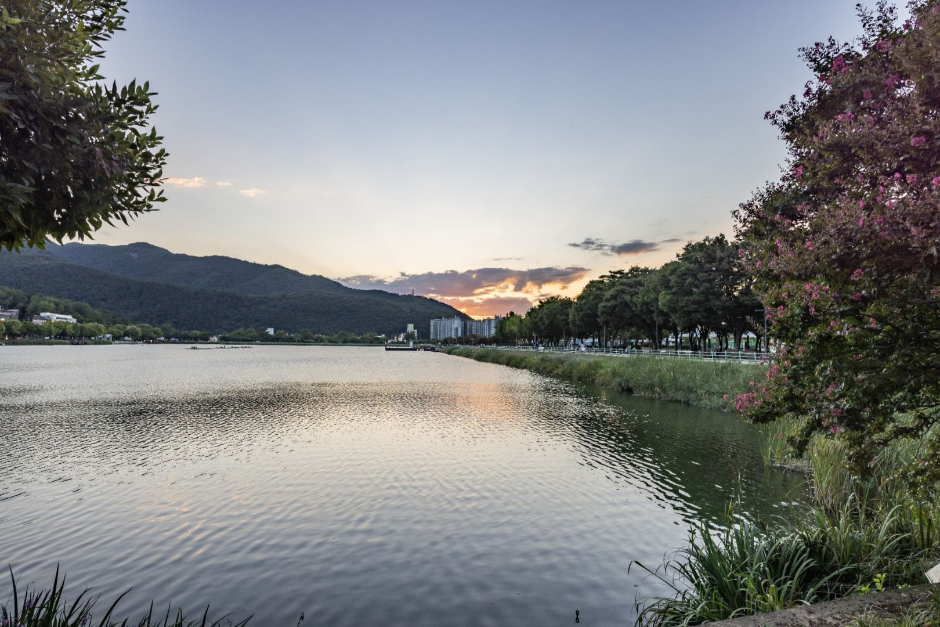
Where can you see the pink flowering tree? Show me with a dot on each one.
(844, 248)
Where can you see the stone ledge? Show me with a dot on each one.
(839, 612)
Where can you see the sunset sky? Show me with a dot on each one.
(483, 153)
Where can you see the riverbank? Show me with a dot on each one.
(704, 384)
(33, 342)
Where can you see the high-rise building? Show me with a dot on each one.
(444, 328)
(482, 328)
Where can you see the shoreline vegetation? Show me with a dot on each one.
(859, 534)
(711, 385)
(49, 608)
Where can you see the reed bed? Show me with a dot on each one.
(50, 608)
(861, 534)
(712, 385)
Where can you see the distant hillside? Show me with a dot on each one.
(32, 304)
(330, 310)
(147, 262)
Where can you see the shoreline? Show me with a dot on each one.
(701, 383)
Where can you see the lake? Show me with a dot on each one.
(356, 486)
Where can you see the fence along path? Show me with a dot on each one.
(744, 357)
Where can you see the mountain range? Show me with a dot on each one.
(146, 283)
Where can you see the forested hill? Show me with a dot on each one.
(325, 311)
(147, 262)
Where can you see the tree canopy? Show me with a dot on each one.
(844, 248)
(75, 154)
(704, 294)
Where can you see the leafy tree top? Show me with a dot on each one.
(74, 154)
(844, 247)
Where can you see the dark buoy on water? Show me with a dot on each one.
(577, 616)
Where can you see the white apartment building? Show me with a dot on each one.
(48, 316)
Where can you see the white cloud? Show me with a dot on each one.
(251, 193)
(223, 183)
(196, 181)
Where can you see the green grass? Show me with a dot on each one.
(49, 608)
(860, 534)
(705, 384)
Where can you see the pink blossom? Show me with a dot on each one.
(798, 171)
(856, 296)
(866, 94)
(912, 179)
(935, 181)
(861, 204)
(917, 142)
(897, 176)
(861, 221)
(809, 245)
(858, 274)
(893, 80)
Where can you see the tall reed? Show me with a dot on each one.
(858, 532)
(712, 385)
(49, 608)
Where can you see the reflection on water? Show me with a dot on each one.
(357, 486)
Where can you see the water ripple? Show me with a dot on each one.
(357, 486)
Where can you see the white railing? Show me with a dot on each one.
(744, 357)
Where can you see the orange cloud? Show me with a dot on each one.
(481, 282)
(482, 292)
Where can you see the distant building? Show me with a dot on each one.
(47, 316)
(445, 328)
(9, 314)
(482, 328)
(269, 330)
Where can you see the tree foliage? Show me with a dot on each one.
(705, 291)
(550, 320)
(74, 154)
(844, 248)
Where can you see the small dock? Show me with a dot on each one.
(402, 348)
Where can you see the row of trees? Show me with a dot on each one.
(23, 329)
(305, 335)
(704, 291)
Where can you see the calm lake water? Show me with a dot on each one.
(356, 486)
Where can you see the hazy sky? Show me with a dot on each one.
(461, 148)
